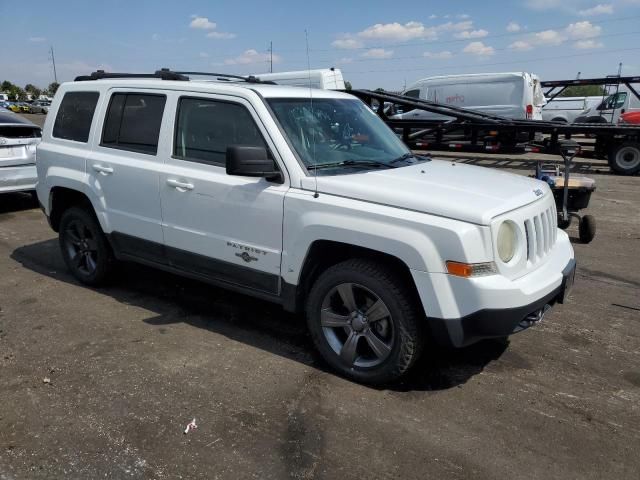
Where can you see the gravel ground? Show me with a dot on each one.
(101, 383)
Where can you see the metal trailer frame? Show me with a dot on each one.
(562, 85)
(470, 130)
(610, 86)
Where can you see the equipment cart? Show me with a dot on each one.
(571, 192)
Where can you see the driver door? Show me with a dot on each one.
(228, 228)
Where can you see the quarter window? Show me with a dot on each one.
(412, 93)
(74, 117)
(133, 122)
(205, 128)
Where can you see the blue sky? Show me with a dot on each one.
(375, 43)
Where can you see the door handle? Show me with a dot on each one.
(181, 186)
(103, 170)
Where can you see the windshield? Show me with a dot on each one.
(338, 134)
(614, 101)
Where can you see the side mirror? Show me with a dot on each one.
(245, 161)
(622, 111)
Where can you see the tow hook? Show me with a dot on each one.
(534, 317)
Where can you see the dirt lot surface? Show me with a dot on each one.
(101, 383)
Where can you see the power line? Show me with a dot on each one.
(527, 60)
(495, 49)
(459, 40)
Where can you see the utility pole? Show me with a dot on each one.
(270, 57)
(53, 59)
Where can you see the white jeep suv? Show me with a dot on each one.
(304, 198)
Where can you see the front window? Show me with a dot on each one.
(333, 136)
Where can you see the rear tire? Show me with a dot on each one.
(365, 321)
(587, 228)
(624, 159)
(84, 247)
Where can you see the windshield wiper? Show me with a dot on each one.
(404, 157)
(350, 163)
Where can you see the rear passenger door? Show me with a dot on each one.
(124, 170)
(225, 227)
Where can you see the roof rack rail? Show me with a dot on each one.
(161, 74)
(224, 76)
(167, 74)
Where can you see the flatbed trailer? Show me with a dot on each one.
(470, 130)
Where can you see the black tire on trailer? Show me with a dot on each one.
(365, 321)
(85, 249)
(624, 159)
(587, 228)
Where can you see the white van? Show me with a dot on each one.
(567, 109)
(4, 97)
(512, 95)
(611, 108)
(325, 78)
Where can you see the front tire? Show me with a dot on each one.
(365, 321)
(84, 247)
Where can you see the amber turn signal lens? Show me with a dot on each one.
(466, 270)
(459, 269)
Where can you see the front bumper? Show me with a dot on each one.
(462, 311)
(18, 179)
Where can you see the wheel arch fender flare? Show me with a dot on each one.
(70, 189)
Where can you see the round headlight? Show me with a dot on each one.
(507, 241)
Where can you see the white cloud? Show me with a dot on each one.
(471, 34)
(347, 43)
(251, 56)
(345, 60)
(37, 39)
(398, 32)
(587, 44)
(221, 35)
(479, 49)
(582, 30)
(463, 16)
(443, 55)
(202, 23)
(521, 46)
(548, 37)
(600, 9)
(513, 27)
(378, 53)
(155, 37)
(455, 27)
(203, 55)
(432, 16)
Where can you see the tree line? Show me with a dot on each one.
(17, 93)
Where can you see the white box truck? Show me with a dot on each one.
(324, 78)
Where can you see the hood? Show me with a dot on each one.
(447, 189)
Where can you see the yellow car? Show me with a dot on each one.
(14, 108)
(25, 107)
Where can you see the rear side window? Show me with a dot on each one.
(412, 93)
(73, 121)
(133, 122)
(205, 128)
